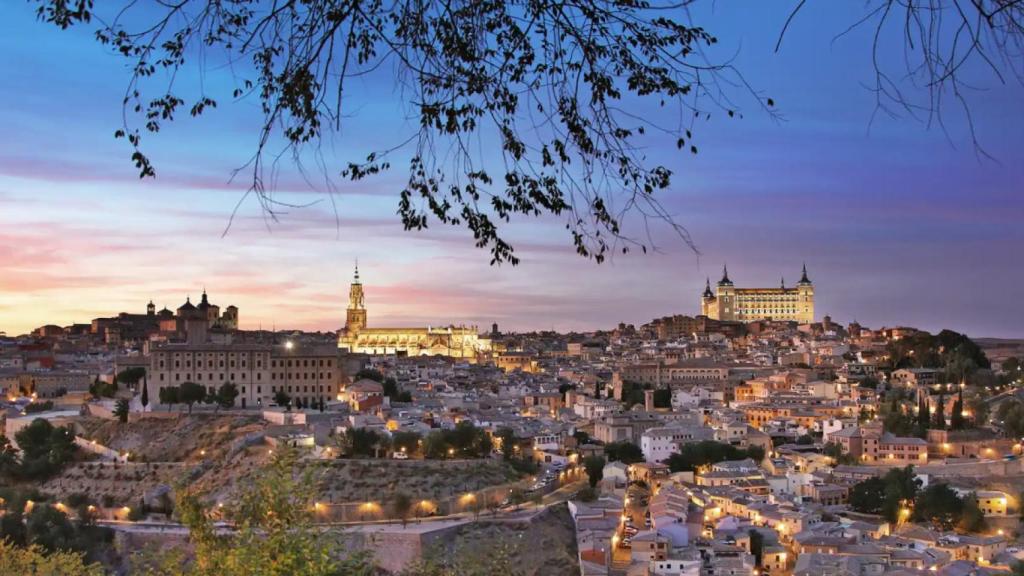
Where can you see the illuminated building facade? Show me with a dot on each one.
(728, 302)
(452, 341)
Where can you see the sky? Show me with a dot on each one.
(898, 222)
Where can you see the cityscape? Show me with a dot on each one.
(615, 288)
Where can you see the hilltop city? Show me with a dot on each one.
(752, 436)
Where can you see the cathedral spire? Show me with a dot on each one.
(356, 281)
(783, 282)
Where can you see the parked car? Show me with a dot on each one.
(400, 456)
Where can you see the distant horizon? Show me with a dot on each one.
(404, 321)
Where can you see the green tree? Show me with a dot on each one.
(35, 560)
(401, 504)
(694, 455)
(408, 440)
(45, 449)
(121, 410)
(10, 463)
(1011, 414)
(282, 399)
(625, 452)
(131, 376)
(923, 412)
(972, 519)
(169, 395)
(756, 546)
(868, 495)
(49, 528)
(940, 505)
(508, 442)
(957, 420)
(274, 532)
(594, 466)
(145, 394)
(226, 395)
(189, 393)
(1012, 366)
(663, 398)
(940, 414)
(370, 374)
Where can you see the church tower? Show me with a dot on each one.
(355, 317)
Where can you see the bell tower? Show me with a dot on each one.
(355, 317)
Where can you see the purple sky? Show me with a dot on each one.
(898, 224)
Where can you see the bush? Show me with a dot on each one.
(35, 407)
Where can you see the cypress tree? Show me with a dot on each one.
(940, 414)
(145, 393)
(922, 410)
(957, 422)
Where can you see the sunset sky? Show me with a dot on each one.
(898, 223)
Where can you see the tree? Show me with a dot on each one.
(663, 398)
(145, 394)
(594, 466)
(956, 420)
(370, 374)
(508, 442)
(131, 376)
(972, 519)
(408, 440)
(401, 503)
(888, 495)
(625, 452)
(923, 412)
(274, 533)
(189, 393)
(697, 454)
(479, 71)
(226, 395)
(49, 528)
(940, 414)
(10, 463)
(35, 560)
(1012, 366)
(282, 399)
(756, 546)
(44, 448)
(169, 395)
(121, 410)
(940, 505)
(867, 495)
(1011, 414)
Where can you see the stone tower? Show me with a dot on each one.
(355, 317)
(725, 300)
(805, 298)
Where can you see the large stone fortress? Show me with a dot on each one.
(728, 302)
(452, 341)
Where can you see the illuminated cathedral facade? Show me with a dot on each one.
(727, 302)
(453, 341)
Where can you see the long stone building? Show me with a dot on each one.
(728, 302)
(306, 373)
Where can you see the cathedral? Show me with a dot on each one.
(452, 341)
(727, 302)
